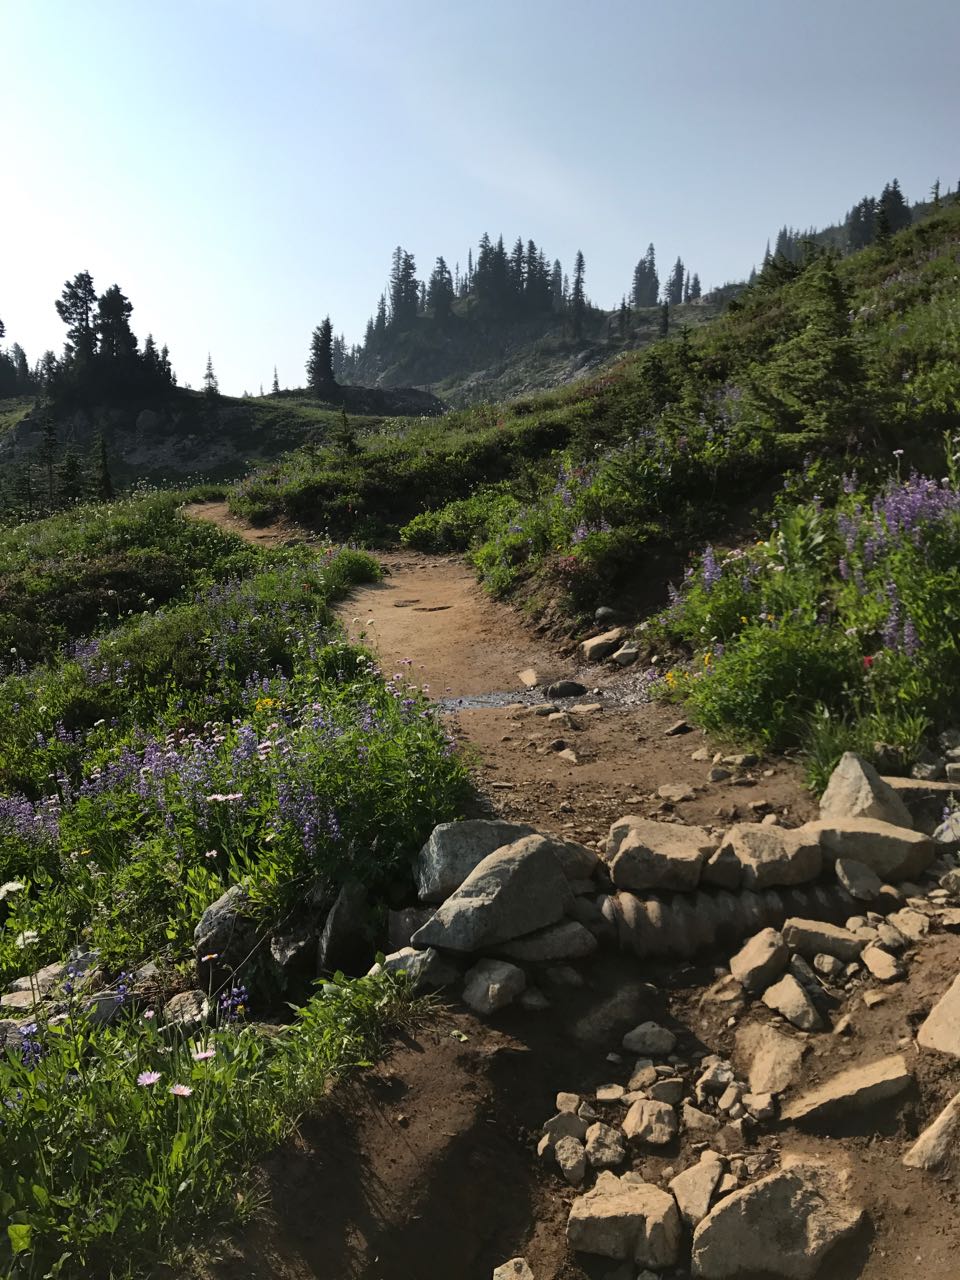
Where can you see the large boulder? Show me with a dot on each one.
(783, 1225)
(893, 852)
(940, 1029)
(772, 856)
(512, 892)
(856, 790)
(852, 1090)
(657, 855)
(455, 849)
(624, 1218)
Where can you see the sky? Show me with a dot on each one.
(243, 168)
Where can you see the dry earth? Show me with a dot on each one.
(425, 1167)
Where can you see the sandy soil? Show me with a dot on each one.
(424, 1167)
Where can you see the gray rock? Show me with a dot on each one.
(455, 849)
(828, 966)
(788, 998)
(515, 1269)
(891, 937)
(882, 964)
(910, 924)
(651, 1122)
(657, 855)
(940, 1029)
(783, 1225)
(345, 939)
(187, 1011)
(599, 647)
(513, 891)
(854, 1089)
(623, 1219)
(403, 924)
(567, 940)
(650, 1039)
(605, 1146)
(565, 1124)
(722, 869)
(698, 1124)
(762, 959)
(294, 947)
(894, 853)
(811, 937)
(491, 985)
(948, 832)
(858, 879)
(572, 1159)
(774, 856)
(938, 1141)
(856, 790)
(426, 970)
(566, 689)
(225, 934)
(627, 654)
(693, 1189)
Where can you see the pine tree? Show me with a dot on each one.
(211, 388)
(75, 307)
(275, 386)
(578, 300)
(71, 481)
(440, 293)
(674, 290)
(556, 286)
(695, 291)
(646, 283)
(320, 377)
(686, 287)
(345, 437)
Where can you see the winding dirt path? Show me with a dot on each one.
(424, 1167)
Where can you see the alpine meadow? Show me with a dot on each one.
(480, 715)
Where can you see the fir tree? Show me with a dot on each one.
(275, 387)
(211, 388)
(674, 289)
(320, 377)
(578, 301)
(440, 293)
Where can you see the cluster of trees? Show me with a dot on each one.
(102, 358)
(875, 219)
(680, 286)
(53, 477)
(16, 376)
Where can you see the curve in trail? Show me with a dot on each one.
(429, 617)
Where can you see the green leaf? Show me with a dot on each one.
(20, 1234)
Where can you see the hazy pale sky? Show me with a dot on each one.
(243, 167)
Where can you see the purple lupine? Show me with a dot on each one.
(711, 570)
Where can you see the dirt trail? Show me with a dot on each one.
(425, 1168)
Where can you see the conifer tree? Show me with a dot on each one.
(695, 291)
(440, 293)
(275, 387)
(578, 299)
(674, 290)
(211, 388)
(320, 377)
